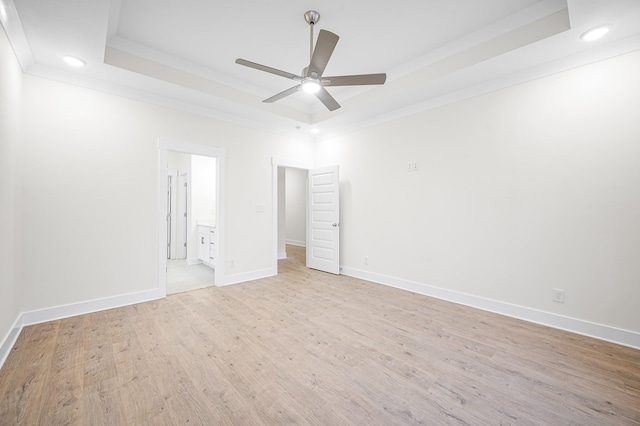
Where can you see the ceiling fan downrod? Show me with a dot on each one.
(312, 17)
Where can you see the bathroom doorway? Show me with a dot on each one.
(191, 206)
(192, 189)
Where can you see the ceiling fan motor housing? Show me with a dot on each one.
(312, 17)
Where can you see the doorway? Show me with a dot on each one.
(292, 209)
(278, 197)
(322, 211)
(198, 201)
(191, 211)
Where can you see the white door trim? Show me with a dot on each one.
(165, 145)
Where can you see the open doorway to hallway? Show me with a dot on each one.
(321, 213)
(292, 210)
(296, 259)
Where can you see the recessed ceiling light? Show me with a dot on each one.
(315, 130)
(595, 33)
(73, 61)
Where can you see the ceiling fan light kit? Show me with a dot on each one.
(311, 85)
(312, 80)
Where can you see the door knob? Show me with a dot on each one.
(334, 225)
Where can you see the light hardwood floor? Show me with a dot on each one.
(311, 348)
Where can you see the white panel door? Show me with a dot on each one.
(323, 231)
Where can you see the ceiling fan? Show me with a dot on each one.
(311, 80)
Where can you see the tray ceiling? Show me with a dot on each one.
(181, 54)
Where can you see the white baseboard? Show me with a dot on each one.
(296, 243)
(585, 328)
(598, 331)
(191, 262)
(9, 340)
(80, 308)
(66, 311)
(282, 255)
(248, 276)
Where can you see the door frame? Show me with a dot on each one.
(164, 146)
(275, 163)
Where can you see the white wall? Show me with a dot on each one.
(10, 218)
(296, 206)
(179, 161)
(203, 183)
(203, 198)
(517, 192)
(90, 191)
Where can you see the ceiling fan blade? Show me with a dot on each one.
(324, 48)
(354, 80)
(326, 98)
(268, 69)
(283, 94)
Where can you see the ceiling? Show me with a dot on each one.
(181, 53)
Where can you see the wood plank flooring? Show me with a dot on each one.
(311, 348)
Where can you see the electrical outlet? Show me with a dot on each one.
(232, 263)
(558, 295)
(366, 260)
(412, 167)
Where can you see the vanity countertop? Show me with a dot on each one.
(207, 224)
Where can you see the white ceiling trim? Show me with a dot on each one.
(529, 44)
(562, 64)
(15, 33)
(500, 28)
